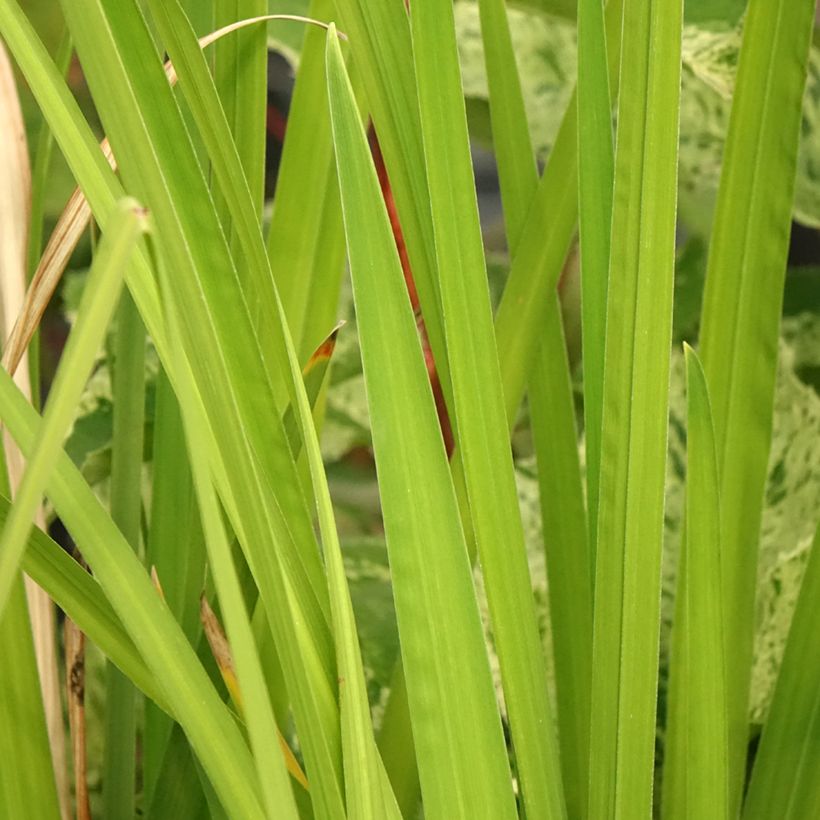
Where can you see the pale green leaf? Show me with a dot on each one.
(99, 301)
(480, 414)
(26, 778)
(456, 727)
(741, 311)
(784, 778)
(633, 452)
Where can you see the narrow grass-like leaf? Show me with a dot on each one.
(96, 308)
(460, 749)
(211, 729)
(633, 453)
(479, 407)
(241, 74)
(306, 238)
(702, 676)
(175, 549)
(299, 579)
(382, 50)
(741, 312)
(784, 778)
(79, 146)
(544, 243)
(552, 415)
(514, 156)
(128, 395)
(26, 777)
(270, 764)
(367, 790)
(595, 174)
(82, 599)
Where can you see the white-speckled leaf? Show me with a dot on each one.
(546, 55)
(792, 501)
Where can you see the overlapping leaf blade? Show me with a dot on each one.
(633, 454)
(175, 551)
(241, 73)
(784, 778)
(479, 406)
(191, 696)
(128, 396)
(99, 301)
(701, 675)
(262, 730)
(595, 176)
(27, 779)
(460, 750)
(552, 415)
(741, 311)
(306, 238)
(569, 567)
(234, 370)
(383, 53)
(82, 599)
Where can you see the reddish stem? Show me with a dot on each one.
(390, 204)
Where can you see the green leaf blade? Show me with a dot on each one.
(27, 785)
(569, 568)
(552, 415)
(706, 764)
(517, 174)
(99, 301)
(741, 311)
(595, 178)
(306, 238)
(270, 765)
(784, 781)
(382, 50)
(480, 416)
(188, 691)
(234, 368)
(128, 396)
(457, 730)
(633, 453)
(241, 73)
